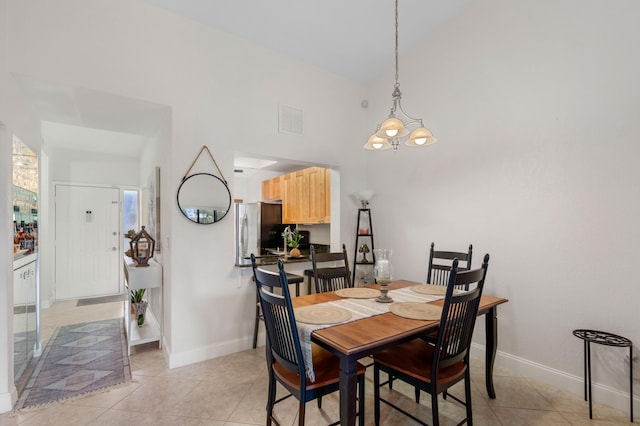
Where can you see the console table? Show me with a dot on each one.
(149, 278)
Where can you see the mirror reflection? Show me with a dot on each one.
(204, 198)
(25, 244)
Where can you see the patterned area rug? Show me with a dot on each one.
(79, 358)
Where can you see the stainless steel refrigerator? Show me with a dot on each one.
(258, 228)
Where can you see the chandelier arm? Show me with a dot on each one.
(412, 120)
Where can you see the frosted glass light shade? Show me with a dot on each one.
(362, 198)
(420, 137)
(392, 128)
(376, 143)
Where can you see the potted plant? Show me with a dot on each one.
(292, 239)
(139, 305)
(131, 233)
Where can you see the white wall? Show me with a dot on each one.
(224, 93)
(535, 105)
(15, 118)
(91, 168)
(248, 185)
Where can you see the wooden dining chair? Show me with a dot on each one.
(331, 278)
(284, 353)
(435, 368)
(440, 264)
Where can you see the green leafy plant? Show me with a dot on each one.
(130, 234)
(137, 295)
(292, 237)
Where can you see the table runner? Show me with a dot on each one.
(359, 308)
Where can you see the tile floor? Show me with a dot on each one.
(231, 391)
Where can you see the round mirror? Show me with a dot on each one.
(204, 198)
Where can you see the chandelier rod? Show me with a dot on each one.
(397, 84)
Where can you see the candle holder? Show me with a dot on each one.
(382, 271)
(142, 248)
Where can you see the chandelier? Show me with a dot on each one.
(395, 129)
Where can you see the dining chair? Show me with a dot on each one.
(291, 279)
(440, 264)
(435, 368)
(285, 360)
(331, 278)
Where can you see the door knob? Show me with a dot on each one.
(114, 248)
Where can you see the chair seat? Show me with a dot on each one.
(414, 359)
(326, 368)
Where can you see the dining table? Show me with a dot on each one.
(353, 340)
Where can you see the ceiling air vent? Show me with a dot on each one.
(290, 120)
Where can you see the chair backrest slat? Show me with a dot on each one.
(440, 264)
(331, 278)
(458, 315)
(283, 341)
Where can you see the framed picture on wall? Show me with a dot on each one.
(152, 204)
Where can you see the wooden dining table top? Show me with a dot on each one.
(364, 336)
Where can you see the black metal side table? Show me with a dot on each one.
(607, 339)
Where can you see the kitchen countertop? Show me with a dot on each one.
(21, 259)
(273, 260)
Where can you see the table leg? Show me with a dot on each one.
(491, 331)
(585, 369)
(348, 386)
(631, 381)
(589, 374)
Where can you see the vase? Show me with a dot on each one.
(140, 311)
(382, 271)
(295, 252)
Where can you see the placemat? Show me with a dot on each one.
(416, 310)
(321, 314)
(358, 293)
(439, 290)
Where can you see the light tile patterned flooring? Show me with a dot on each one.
(231, 391)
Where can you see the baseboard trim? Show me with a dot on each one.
(7, 399)
(522, 367)
(209, 352)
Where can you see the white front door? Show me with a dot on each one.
(87, 241)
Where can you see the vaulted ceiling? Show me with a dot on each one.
(352, 38)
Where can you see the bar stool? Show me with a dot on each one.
(607, 339)
(291, 279)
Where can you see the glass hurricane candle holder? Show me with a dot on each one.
(382, 271)
(142, 248)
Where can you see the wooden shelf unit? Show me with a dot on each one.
(364, 235)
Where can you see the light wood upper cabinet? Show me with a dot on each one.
(327, 195)
(288, 198)
(272, 189)
(305, 195)
(317, 194)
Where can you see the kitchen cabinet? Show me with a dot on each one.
(149, 278)
(24, 313)
(319, 188)
(305, 196)
(272, 189)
